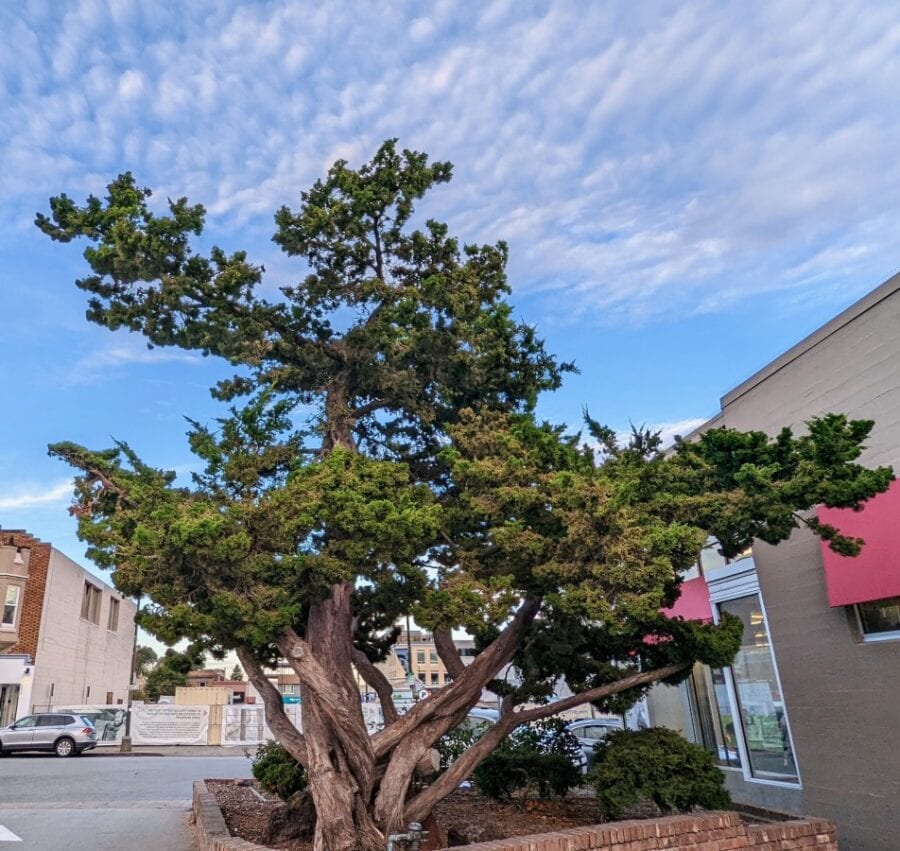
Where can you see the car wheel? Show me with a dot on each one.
(64, 747)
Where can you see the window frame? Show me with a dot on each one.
(91, 602)
(112, 618)
(874, 637)
(734, 581)
(12, 626)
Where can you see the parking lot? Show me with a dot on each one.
(100, 802)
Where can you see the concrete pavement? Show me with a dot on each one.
(104, 804)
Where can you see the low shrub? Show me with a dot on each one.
(657, 765)
(551, 735)
(277, 771)
(505, 772)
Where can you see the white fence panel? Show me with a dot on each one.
(246, 725)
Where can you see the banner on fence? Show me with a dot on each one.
(108, 720)
(165, 724)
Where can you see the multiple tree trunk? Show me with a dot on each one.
(362, 785)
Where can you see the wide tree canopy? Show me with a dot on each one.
(423, 484)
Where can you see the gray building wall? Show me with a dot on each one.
(842, 695)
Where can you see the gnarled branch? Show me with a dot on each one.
(446, 649)
(373, 677)
(287, 734)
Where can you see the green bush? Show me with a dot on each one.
(656, 765)
(543, 756)
(505, 772)
(551, 735)
(277, 771)
(452, 744)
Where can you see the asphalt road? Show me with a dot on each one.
(100, 803)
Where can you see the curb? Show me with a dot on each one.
(98, 752)
(212, 832)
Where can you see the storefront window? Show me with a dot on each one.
(761, 706)
(715, 716)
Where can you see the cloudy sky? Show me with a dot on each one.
(687, 188)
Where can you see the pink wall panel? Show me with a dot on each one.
(693, 604)
(875, 573)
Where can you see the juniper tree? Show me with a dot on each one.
(423, 485)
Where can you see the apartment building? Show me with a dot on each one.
(416, 653)
(806, 720)
(66, 637)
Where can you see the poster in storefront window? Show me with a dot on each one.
(756, 699)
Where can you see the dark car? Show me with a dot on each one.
(63, 733)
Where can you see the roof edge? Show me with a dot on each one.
(867, 302)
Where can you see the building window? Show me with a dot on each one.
(287, 688)
(759, 702)
(420, 657)
(880, 619)
(422, 677)
(113, 622)
(714, 715)
(10, 607)
(435, 679)
(432, 656)
(109, 698)
(90, 602)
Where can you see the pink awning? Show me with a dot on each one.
(693, 604)
(875, 573)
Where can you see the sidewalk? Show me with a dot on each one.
(172, 750)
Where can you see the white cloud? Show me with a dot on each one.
(122, 351)
(669, 431)
(641, 161)
(34, 496)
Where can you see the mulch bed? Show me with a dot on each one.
(247, 815)
(246, 808)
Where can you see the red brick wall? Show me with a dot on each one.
(36, 584)
(707, 832)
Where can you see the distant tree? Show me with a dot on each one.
(421, 484)
(237, 673)
(171, 671)
(144, 659)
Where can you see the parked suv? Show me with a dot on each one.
(66, 734)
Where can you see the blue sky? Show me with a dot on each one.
(687, 188)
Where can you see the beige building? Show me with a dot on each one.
(806, 720)
(66, 637)
(423, 660)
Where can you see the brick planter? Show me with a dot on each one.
(212, 832)
(707, 832)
